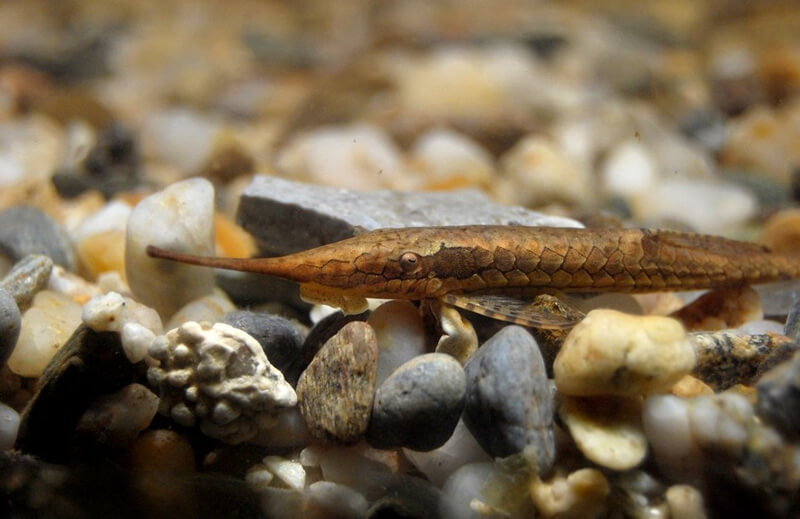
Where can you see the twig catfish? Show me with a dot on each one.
(458, 264)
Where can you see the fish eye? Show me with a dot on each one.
(409, 261)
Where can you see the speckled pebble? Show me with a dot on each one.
(179, 217)
(280, 339)
(337, 389)
(727, 358)
(607, 430)
(10, 325)
(419, 405)
(779, 397)
(611, 353)
(509, 403)
(27, 277)
(26, 230)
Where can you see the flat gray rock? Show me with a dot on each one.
(509, 404)
(27, 230)
(286, 216)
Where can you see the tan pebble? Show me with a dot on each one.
(689, 386)
(685, 502)
(162, 450)
(160, 461)
(607, 430)
(210, 308)
(46, 326)
(459, 338)
(611, 353)
(580, 495)
(103, 252)
(232, 240)
(721, 309)
(659, 303)
(781, 231)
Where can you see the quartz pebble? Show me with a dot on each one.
(685, 502)
(400, 333)
(462, 493)
(27, 277)
(10, 324)
(607, 430)
(460, 449)
(218, 377)
(509, 404)
(337, 389)
(179, 217)
(26, 230)
(447, 159)
(781, 232)
(46, 325)
(9, 424)
(582, 494)
(610, 353)
(419, 405)
(281, 340)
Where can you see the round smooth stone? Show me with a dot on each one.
(10, 325)
(26, 230)
(281, 340)
(509, 404)
(419, 405)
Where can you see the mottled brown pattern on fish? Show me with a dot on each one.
(433, 261)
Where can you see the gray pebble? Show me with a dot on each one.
(419, 405)
(280, 339)
(509, 405)
(337, 389)
(286, 216)
(27, 277)
(10, 324)
(779, 397)
(26, 230)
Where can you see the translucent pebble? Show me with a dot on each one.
(136, 340)
(668, 428)
(258, 477)
(210, 308)
(462, 492)
(400, 333)
(9, 424)
(337, 500)
(46, 326)
(289, 472)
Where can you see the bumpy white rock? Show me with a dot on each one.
(181, 217)
(580, 495)
(611, 353)
(218, 377)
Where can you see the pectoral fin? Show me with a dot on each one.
(544, 311)
(317, 294)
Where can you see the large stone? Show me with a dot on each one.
(509, 404)
(337, 389)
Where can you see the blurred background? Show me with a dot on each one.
(677, 114)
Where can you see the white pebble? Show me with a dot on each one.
(112, 217)
(259, 477)
(668, 428)
(710, 207)
(136, 340)
(629, 168)
(181, 137)
(104, 313)
(9, 425)
(444, 156)
(289, 472)
(180, 217)
(462, 492)
(437, 465)
(685, 502)
(210, 308)
(400, 333)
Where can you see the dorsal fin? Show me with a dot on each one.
(706, 243)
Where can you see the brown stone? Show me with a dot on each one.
(337, 389)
